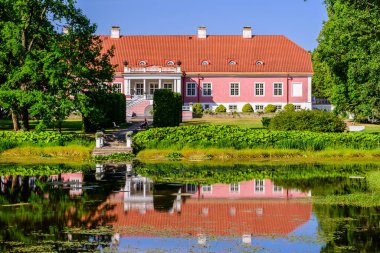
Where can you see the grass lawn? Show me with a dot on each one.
(240, 122)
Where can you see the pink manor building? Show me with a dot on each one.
(211, 69)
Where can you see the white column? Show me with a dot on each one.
(144, 93)
(179, 85)
(309, 89)
(160, 83)
(127, 87)
(175, 85)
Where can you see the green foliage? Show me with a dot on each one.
(289, 108)
(167, 108)
(174, 156)
(6, 144)
(198, 108)
(346, 60)
(235, 137)
(265, 121)
(309, 120)
(110, 107)
(247, 108)
(220, 108)
(270, 108)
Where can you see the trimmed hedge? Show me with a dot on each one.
(234, 137)
(38, 137)
(247, 108)
(198, 108)
(307, 120)
(220, 108)
(167, 108)
(289, 108)
(270, 108)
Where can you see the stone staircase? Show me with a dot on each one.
(137, 106)
(115, 144)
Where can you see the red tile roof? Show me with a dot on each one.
(279, 54)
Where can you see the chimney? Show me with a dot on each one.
(247, 32)
(65, 30)
(202, 32)
(115, 32)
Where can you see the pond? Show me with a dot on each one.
(188, 208)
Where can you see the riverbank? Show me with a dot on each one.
(259, 155)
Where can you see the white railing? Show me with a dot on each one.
(186, 108)
(153, 69)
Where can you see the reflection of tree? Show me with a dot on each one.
(50, 210)
(349, 228)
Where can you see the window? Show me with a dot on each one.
(170, 62)
(232, 108)
(278, 107)
(297, 89)
(234, 89)
(191, 89)
(297, 107)
(259, 62)
(207, 106)
(205, 62)
(191, 188)
(152, 88)
(207, 89)
(117, 87)
(232, 62)
(168, 86)
(142, 62)
(277, 89)
(234, 187)
(259, 89)
(139, 89)
(259, 108)
(259, 185)
(206, 188)
(277, 188)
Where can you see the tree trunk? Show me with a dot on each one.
(25, 119)
(16, 124)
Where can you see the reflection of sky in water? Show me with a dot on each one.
(303, 239)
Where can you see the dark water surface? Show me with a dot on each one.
(185, 208)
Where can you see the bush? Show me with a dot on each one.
(208, 111)
(265, 121)
(289, 108)
(310, 120)
(198, 108)
(167, 108)
(235, 137)
(270, 108)
(247, 108)
(220, 108)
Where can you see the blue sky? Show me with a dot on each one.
(299, 20)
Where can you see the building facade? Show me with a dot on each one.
(211, 69)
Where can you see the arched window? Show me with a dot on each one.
(142, 62)
(259, 62)
(232, 62)
(170, 62)
(205, 62)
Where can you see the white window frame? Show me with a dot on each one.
(203, 89)
(166, 84)
(263, 83)
(297, 107)
(278, 107)
(207, 188)
(259, 110)
(207, 106)
(263, 185)
(141, 89)
(187, 89)
(238, 87)
(191, 188)
(282, 89)
(155, 87)
(234, 110)
(235, 188)
(293, 89)
(118, 89)
(276, 189)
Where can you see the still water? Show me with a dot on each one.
(184, 208)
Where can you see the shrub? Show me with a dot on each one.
(198, 108)
(310, 120)
(167, 108)
(247, 108)
(265, 121)
(289, 108)
(270, 108)
(208, 111)
(220, 108)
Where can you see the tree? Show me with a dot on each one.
(36, 58)
(167, 108)
(346, 60)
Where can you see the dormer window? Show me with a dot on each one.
(205, 62)
(232, 62)
(142, 63)
(259, 62)
(170, 63)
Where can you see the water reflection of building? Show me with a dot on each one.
(72, 180)
(249, 208)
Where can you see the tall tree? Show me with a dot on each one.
(44, 67)
(346, 60)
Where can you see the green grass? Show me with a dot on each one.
(237, 121)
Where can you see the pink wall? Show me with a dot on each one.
(221, 90)
(247, 190)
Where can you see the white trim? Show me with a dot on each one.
(158, 87)
(263, 191)
(229, 91)
(203, 95)
(254, 89)
(282, 189)
(208, 185)
(238, 190)
(187, 95)
(127, 87)
(309, 89)
(292, 93)
(282, 89)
